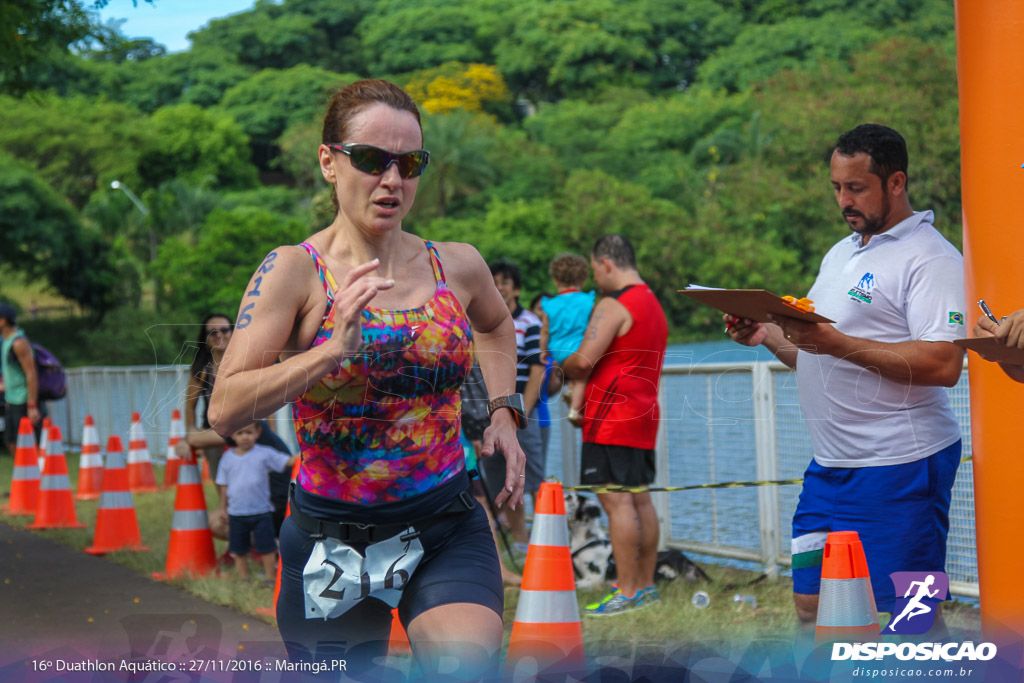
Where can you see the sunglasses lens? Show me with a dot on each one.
(369, 159)
(412, 164)
(375, 161)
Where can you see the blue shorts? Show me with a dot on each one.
(900, 512)
(262, 528)
(459, 565)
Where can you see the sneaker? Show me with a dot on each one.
(651, 596)
(615, 603)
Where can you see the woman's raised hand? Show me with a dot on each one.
(353, 295)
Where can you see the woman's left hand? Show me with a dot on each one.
(501, 437)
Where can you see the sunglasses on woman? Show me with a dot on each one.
(221, 331)
(375, 161)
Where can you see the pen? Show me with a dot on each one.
(987, 311)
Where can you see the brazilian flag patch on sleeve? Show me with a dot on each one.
(957, 318)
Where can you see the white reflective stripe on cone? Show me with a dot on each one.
(189, 474)
(115, 460)
(189, 520)
(90, 460)
(846, 602)
(547, 607)
(115, 500)
(24, 472)
(136, 456)
(549, 530)
(55, 482)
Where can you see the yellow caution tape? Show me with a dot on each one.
(723, 485)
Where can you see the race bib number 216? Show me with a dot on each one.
(336, 577)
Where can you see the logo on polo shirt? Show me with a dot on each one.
(862, 290)
(914, 613)
(955, 317)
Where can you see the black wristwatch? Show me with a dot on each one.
(513, 402)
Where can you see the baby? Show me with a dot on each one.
(565, 317)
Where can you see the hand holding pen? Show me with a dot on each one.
(988, 311)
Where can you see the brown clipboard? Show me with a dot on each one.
(990, 349)
(752, 304)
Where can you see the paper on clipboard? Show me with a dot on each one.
(992, 350)
(752, 304)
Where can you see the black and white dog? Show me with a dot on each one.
(588, 541)
(591, 548)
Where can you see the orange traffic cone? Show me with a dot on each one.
(846, 604)
(117, 527)
(25, 477)
(56, 506)
(547, 635)
(44, 434)
(190, 549)
(207, 479)
(90, 465)
(398, 643)
(173, 462)
(140, 468)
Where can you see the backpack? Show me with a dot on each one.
(52, 381)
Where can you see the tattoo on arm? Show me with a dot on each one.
(244, 318)
(591, 332)
(268, 265)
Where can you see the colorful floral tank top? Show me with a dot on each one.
(385, 427)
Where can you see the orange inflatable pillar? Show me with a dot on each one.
(990, 71)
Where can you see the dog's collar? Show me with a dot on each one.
(590, 544)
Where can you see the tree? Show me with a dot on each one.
(198, 76)
(460, 160)
(684, 33)
(402, 36)
(454, 85)
(43, 237)
(33, 33)
(198, 147)
(761, 51)
(268, 102)
(280, 36)
(599, 44)
(212, 273)
(103, 144)
(37, 34)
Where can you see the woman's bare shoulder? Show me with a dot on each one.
(461, 260)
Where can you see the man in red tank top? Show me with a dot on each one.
(620, 358)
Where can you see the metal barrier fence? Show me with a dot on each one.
(725, 422)
(722, 422)
(112, 394)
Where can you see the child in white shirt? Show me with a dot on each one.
(245, 497)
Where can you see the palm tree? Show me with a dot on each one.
(461, 161)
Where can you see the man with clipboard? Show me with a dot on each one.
(1010, 333)
(886, 442)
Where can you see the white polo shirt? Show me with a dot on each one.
(906, 284)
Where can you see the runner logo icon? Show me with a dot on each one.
(914, 613)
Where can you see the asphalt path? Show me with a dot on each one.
(68, 616)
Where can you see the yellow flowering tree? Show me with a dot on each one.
(455, 85)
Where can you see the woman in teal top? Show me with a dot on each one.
(21, 384)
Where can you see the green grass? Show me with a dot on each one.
(675, 620)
